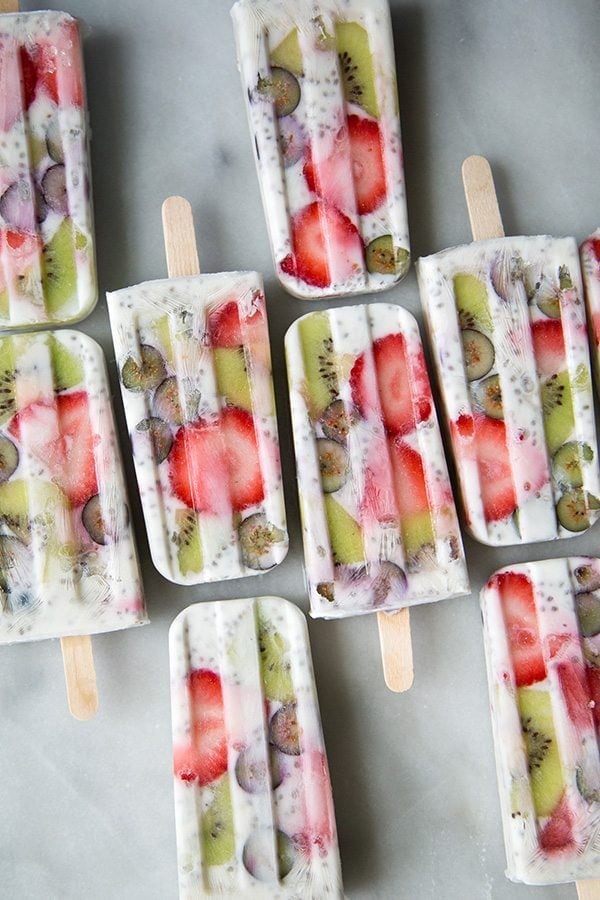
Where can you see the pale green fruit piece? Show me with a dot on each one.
(38, 150)
(162, 330)
(319, 363)
(417, 531)
(15, 511)
(218, 838)
(275, 663)
(344, 533)
(287, 54)
(557, 405)
(67, 368)
(356, 64)
(189, 546)
(4, 305)
(7, 379)
(232, 376)
(59, 272)
(470, 296)
(543, 760)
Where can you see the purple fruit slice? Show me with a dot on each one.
(54, 189)
(284, 731)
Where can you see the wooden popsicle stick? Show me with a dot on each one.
(80, 676)
(486, 222)
(396, 649)
(180, 238)
(9, 6)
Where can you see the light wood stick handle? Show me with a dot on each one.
(396, 649)
(588, 890)
(80, 676)
(180, 238)
(482, 203)
(9, 6)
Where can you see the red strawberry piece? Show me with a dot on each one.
(359, 145)
(593, 681)
(497, 489)
(549, 347)
(39, 67)
(320, 231)
(225, 327)
(575, 690)
(395, 371)
(557, 834)
(205, 759)
(215, 464)
(318, 829)
(409, 476)
(61, 437)
(520, 619)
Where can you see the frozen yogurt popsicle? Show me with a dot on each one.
(508, 332)
(320, 87)
(590, 263)
(195, 372)
(253, 805)
(542, 642)
(47, 265)
(378, 518)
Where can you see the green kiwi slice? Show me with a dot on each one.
(66, 367)
(282, 88)
(257, 539)
(146, 373)
(478, 353)
(385, 259)
(7, 379)
(232, 376)
(573, 510)
(287, 54)
(187, 541)
(9, 458)
(543, 760)
(470, 297)
(275, 667)
(217, 826)
(320, 369)
(344, 533)
(334, 464)
(59, 271)
(587, 605)
(557, 406)
(491, 397)
(566, 463)
(356, 66)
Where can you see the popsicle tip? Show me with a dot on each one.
(396, 650)
(80, 676)
(176, 202)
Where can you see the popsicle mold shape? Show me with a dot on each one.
(320, 89)
(47, 261)
(542, 642)
(68, 563)
(508, 333)
(253, 805)
(378, 519)
(195, 372)
(590, 264)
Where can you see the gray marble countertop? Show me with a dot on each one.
(86, 809)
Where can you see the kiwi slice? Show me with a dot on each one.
(417, 532)
(287, 54)
(490, 397)
(4, 304)
(59, 271)
(356, 66)
(587, 605)
(217, 826)
(257, 855)
(320, 370)
(160, 437)
(470, 297)
(7, 379)
(566, 463)
(283, 89)
(187, 540)
(385, 259)
(15, 505)
(557, 406)
(334, 464)
(344, 533)
(145, 373)
(337, 420)
(284, 730)
(9, 458)
(257, 539)
(573, 510)
(275, 665)
(67, 368)
(232, 376)
(478, 353)
(539, 737)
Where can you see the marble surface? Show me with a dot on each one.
(87, 809)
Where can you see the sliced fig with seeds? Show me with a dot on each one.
(478, 353)
(160, 436)
(333, 464)
(491, 397)
(146, 373)
(258, 537)
(254, 775)
(338, 419)
(284, 731)
(21, 206)
(282, 88)
(93, 521)
(167, 403)
(9, 458)
(54, 189)
(383, 258)
(292, 140)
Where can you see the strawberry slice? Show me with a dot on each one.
(205, 759)
(38, 68)
(214, 466)
(225, 324)
(557, 834)
(61, 437)
(575, 689)
(549, 347)
(318, 232)
(520, 618)
(495, 474)
(409, 476)
(358, 144)
(398, 375)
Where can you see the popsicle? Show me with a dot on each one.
(320, 89)
(542, 642)
(47, 257)
(253, 805)
(68, 564)
(195, 372)
(379, 525)
(590, 264)
(508, 330)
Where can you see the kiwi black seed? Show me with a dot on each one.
(257, 539)
(573, 510)
(566, 463)
(144, 374)
(587, 605)
(337, 420)
(333, 464)
(9, 458)
(284, 730)
(160, 436)
(491, 397)
(282, 88)
(536, 742)
(478, 353)
(383, 258)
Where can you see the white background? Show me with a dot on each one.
(86, 808)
